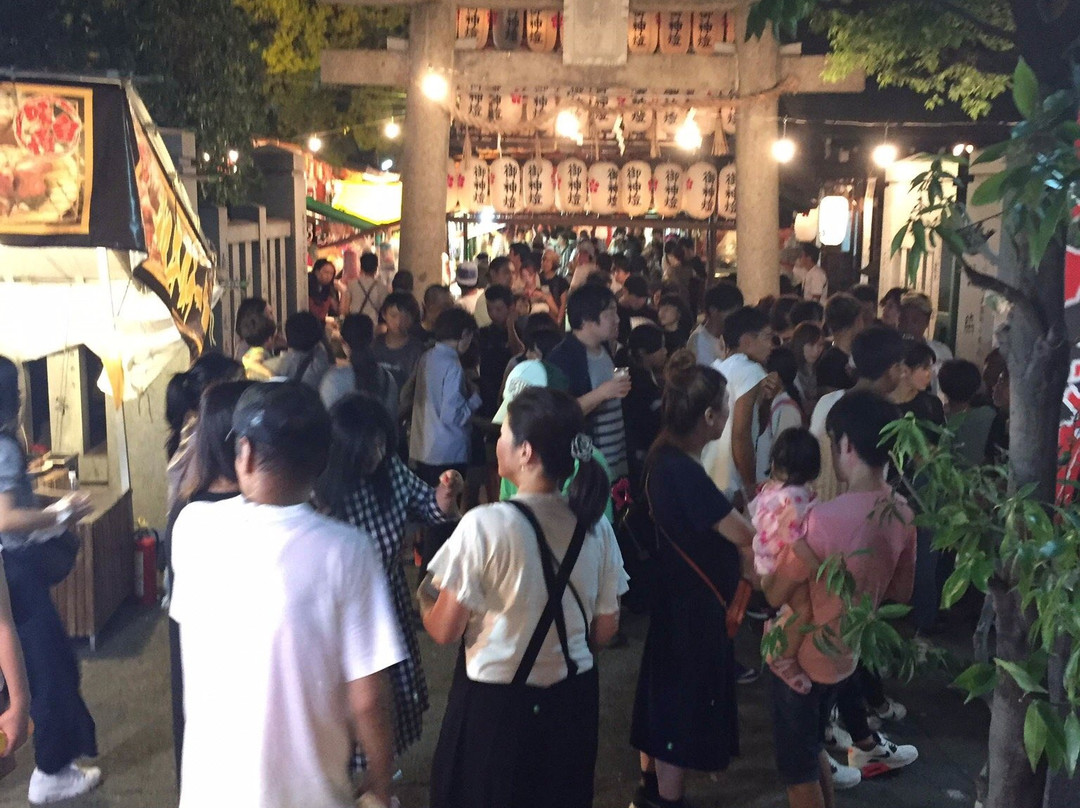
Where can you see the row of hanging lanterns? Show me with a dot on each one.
(603, 188)
(670, 32)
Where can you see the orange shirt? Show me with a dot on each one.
(876, 522)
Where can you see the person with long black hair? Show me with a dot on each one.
(529, 587)
(685, 714)
(64, 731)
(366, 484)
(211, 478)
(363, 374)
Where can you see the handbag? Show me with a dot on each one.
(55, 557)
(735, 610)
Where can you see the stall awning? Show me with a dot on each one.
(336, 215)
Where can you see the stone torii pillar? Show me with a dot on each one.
(432, 31)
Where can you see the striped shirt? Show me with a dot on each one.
(606, 421)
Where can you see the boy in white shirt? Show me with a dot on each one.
(284, 667)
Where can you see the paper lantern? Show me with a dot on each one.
(506, 28)
(477, 184)
(834, 218)
(542, 105)
(727, 120)
(806, 225)
(635, 188)
(675, 32)
(538, 176)
(506, 186)
(706, 30)
(503, 107)
(668, 186)
(456, 196)
(473, 103)
(699, 190)
(725, 190)
(639, 117)
(604, 111)
(571, 185)
(603, 188)
(668, 120)
(644, 32)
(707, 118)
(473, 25)
(541, 29)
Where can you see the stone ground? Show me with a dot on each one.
(126, 684)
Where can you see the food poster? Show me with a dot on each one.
(46, 158)
(177, 266)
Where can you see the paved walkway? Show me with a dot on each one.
(126, 684)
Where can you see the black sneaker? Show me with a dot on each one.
(745, 675)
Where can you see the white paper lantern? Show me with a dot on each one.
(806, 225)
(706, 31)
(635, 188)
(699, 190)
(472, 26)
(506, 186)
(473, 103)
(834, 217)
(571, 184)
(538, 175)
(727, 120)
(675, 31)
(457, 199)
(477, 184)
(725, 190)
(639, 117)
(541, 29)
(604, 111)
(643, 34)
(707, 118)
(506, 28)
(668, 120)
(603, 188)
(667, 195)
(503, 107)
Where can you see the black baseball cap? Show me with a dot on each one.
(287, 419)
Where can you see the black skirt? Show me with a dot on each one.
(521, 746)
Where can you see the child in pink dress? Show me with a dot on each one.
(779, 516)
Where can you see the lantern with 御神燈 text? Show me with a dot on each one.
(571, 185)
(603, 188)
(635, 188)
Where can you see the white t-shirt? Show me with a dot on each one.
(943, 354)
(743, 374)
(816, 284)
(492, 565)
(279, 607)
(706, 347)
(827, 486)
(784, 413)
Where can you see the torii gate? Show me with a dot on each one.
(594, 54)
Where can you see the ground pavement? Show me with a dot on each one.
(126, 683)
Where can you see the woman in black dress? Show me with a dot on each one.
(685, 715)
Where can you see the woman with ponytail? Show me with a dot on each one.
(529, 587)
(363, 374)
(685, 715)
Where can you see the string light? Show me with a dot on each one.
(392, 129)
(784, 148)
(688, 136)
(434, 86)
(314, 143)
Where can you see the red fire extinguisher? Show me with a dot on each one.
(146, 584)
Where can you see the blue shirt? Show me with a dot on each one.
(442, 407)
(14, 481)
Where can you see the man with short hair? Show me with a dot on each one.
(809, 272)
(844, 317)
(872, 528)
(750, 341)
(467, 276)
(916, 314)
(583, 264)
(365, 294)
(867, 296)
(500, 272)
(437, 299)
(283, 678)
(634, 308)
(583, 356)
(398, 349)
(707, 340)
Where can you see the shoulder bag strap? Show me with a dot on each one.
(682, 553)
(554, 604)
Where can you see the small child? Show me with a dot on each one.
(779, 516)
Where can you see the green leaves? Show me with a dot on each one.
(1025, 89)
(1045, 731)
(1035, 733)
(978, 680)
(1029, 676)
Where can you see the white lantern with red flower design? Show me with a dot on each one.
(667, 189)
(635, 188)
(456, 198)
(725, 191)
(477, 184)
(699, 190)
(504, 108)
(506, 186)
(571, 185)
(603, 188)
(538, 176)
(472, 27)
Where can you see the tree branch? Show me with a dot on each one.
(1015, 296)
(986, 27)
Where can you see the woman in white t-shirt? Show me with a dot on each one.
(522, 719)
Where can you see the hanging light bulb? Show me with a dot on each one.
(688, 136)
(784, 148)
(568, 126)
(233, 156)
(392, 129)
(314, 143)
(386, 164)
(434, 86)
(885, 153)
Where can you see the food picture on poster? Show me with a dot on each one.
(46, 158)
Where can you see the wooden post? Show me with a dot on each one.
(423, 199)
(757, 189)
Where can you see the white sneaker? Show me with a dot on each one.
(837, 739)
(69, 782)
(844, 776)
(891, 711)
(887, 753)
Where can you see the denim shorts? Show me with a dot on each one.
(799, 729)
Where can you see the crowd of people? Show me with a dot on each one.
(567, 429)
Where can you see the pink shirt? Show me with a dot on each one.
(876, 521)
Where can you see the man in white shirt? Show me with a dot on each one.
(732, 461)
(284, 666)
(808, 272)
(707, 340)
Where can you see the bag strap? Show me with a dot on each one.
(690, 562)
(554, 604)
(298, 374)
